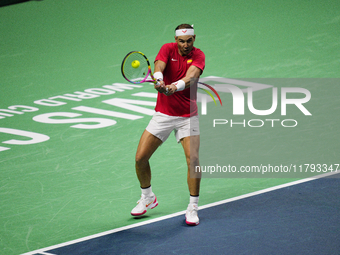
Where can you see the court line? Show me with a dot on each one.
(229, 200)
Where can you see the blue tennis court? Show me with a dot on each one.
(301, 217)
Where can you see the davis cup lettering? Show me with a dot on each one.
(101, 122)
(47, 118)
(120, 87)
(76, 96)
(130, 104)
(34, 137)
(11, 110)
(82, 95)
(7, 113)
(49, 102)
(4, 148)
(66, 98)
(107, 112)
(83, 123)
(26, 108)
(88, 94)
(98, 91)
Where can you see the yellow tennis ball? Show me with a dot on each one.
(135, 64)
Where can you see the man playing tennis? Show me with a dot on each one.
(175, 66)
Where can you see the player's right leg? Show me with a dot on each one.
(148, 144)
(146, 147)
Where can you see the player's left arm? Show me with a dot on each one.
(193, 72)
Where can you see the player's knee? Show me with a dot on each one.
(192, 160)
(141, 159)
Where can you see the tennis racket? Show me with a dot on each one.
(136, 68)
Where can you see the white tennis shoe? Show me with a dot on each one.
(191, 217)
(144, 204)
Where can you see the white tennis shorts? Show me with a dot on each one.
(161, 125)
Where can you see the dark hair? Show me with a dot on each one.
(183, 26)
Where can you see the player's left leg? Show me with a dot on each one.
(191, 149)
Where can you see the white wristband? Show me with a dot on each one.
(180, 85)
(158, 76)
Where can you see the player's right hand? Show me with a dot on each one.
(160, 86)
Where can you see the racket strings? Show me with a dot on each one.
(133, 72)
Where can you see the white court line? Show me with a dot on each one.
(43, 251)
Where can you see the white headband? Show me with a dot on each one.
(185, 31)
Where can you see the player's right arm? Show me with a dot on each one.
(160, 67)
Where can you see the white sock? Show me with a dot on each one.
(194, 200)
(147, 192)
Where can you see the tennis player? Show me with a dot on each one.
(176, 65)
